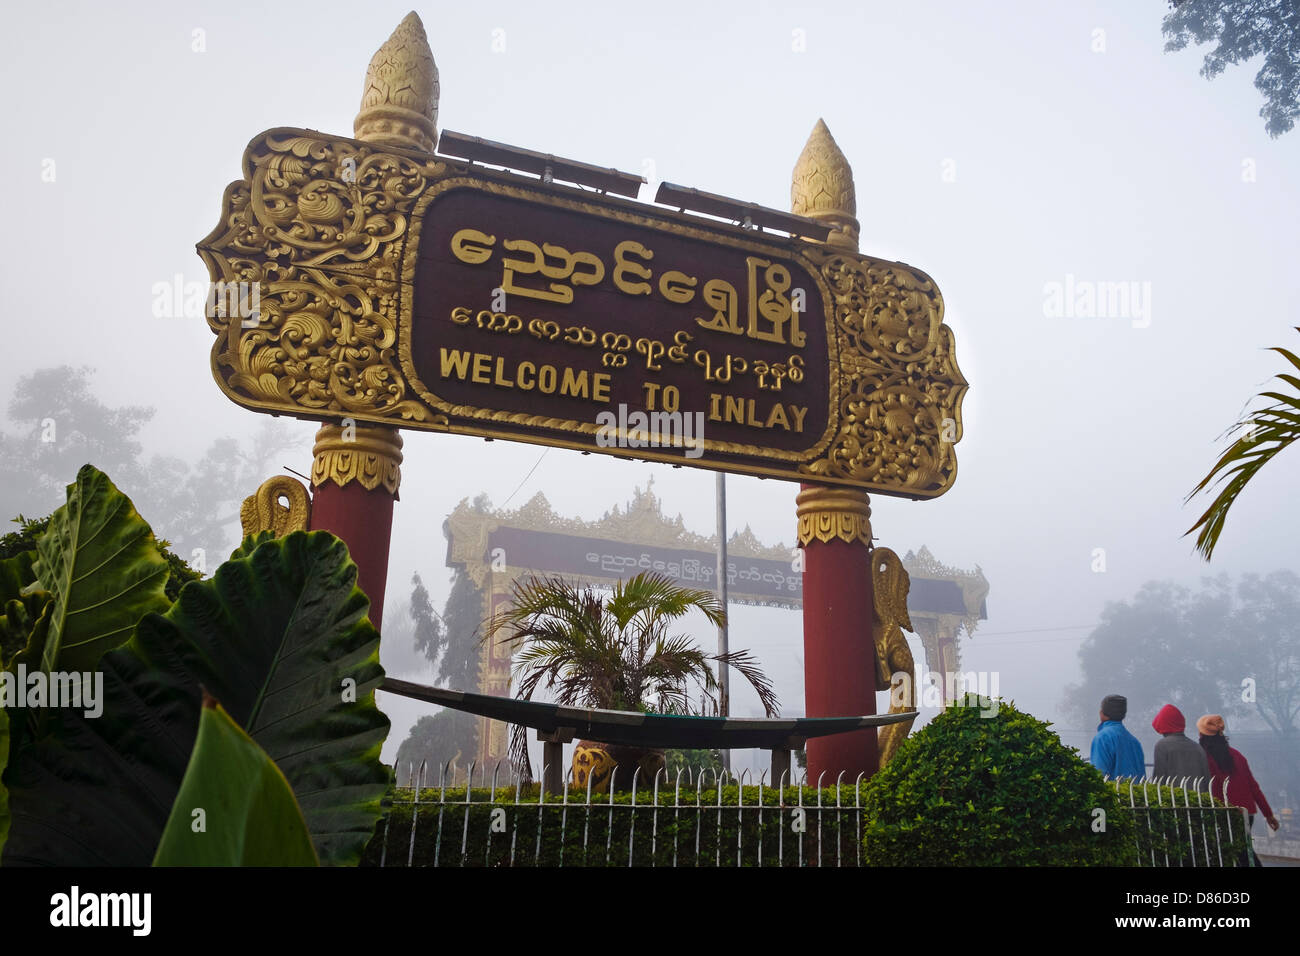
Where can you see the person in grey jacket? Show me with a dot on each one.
(1178, 757)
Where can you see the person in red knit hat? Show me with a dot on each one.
(1177, 758)
(1227, 762)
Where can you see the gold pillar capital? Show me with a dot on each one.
(833, 514)
(400, 104)
(369, 454)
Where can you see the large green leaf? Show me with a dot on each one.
(234, 807)
(19, 616)
(18, 611)
(281, 637)
(19, 620)
(15, 574)
(100, 563)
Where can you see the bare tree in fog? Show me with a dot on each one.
(62, 425)
(1225, 649)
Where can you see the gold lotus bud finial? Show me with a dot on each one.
(822, 188)
(400, 104)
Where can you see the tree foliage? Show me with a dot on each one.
(1155, 649)
(430, 635)
(448, 738)
(62, 424)
(1240, 31)
(1224, 649)
(452, 643)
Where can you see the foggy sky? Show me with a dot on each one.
(1079, 433)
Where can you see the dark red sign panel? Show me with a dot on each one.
(609, 331)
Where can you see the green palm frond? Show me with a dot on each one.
(614, 653)
(1267, 432)
(655, 596)
(748, 667)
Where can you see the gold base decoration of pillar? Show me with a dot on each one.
(368, 454)
(280, 505)
(833, 514)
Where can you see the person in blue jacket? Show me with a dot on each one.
(1115, 751)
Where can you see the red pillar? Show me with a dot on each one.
(839, 654)
(356, 473)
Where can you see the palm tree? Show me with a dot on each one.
(1266, 432)
(615, 654)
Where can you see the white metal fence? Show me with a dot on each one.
(1187, 822)
(472, 818)
(688, 818)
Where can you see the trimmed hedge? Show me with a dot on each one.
(992, 786)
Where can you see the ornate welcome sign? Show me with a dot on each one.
(406, 288)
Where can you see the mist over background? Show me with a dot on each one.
(995, 148)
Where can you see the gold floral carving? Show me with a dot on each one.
(900, 402)
(280, 505)
(822, 187)
(833, 514)
(369, 455)
(318, 225)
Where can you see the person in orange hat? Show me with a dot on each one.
(1227, 763)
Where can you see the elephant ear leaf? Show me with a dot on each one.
(234, 807)
(282, 638)
(15, 575)
(100, 564)
(251, 543)
(289, 650)
(19, 611)
(19, 620)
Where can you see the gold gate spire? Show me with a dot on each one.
(822, 188)
(400, 104)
